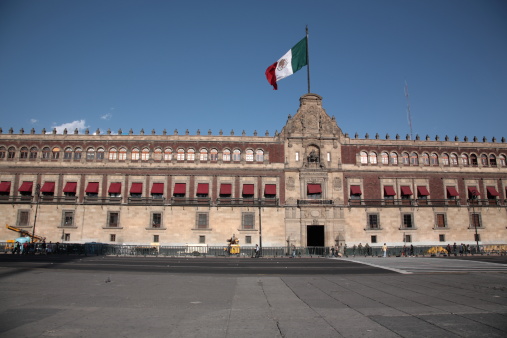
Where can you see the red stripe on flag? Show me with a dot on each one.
(271, 76)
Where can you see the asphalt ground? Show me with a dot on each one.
(65, 296)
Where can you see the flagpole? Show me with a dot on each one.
(307, 60)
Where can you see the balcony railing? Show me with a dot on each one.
(314, 202)
(403, 202)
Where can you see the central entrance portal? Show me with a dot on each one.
(315, 235)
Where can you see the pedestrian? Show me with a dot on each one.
(17, 249)
(332, 251)
(257, 251)
(360, 249)
(404, 251)
(293, 251)
(354, 250)
(448, 250)
(384, 249)
(454, 249)
(411, 250)
(366, 250)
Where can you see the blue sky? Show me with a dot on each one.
(200, 65)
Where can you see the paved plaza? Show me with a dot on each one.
(162, 297)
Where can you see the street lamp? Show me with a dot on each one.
(37, 196)
(474, 200)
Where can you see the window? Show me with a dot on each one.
(405, 159)
(157, 190)
(135, 154)
(492, 160)
(492, 194)
(355, 192)
(48, 189)
(26, 189)
(33, 153)
(373, 221)
(389, 194)
(225, 190)
(259, 155)
(236, 155)
(406, 192)
(77, 154)
(202, 190)
(113, 154)
(168, 154)
(23, 154)
(248, 191)
(270, 191)
(314, 191)
(394, 158)
(122, 155)
(373, 239)
(214, 155)
(414, 159)
(115, 189)
(68, 218)
(248, 239)
(425, 159)
(408, 221)
(66, 237)
(157, 154)
(501, 160)
(202, 220)
(2, 152)
(5, 188)
(191, 155)
(441, 220)
(445, 159)
(100, 154)
(180, 189)
(364, 157)
(422, 193)
(434, 159)
(454, 159)
(373, 157)
(180, 155)
(90, 154)
(69, 190)
(484, 160)
(202, 239)
(145, 154)
(226, 155)
(113, 219)
(136, 190)
(23, 218)
(156, 220)
(112, 238)
(464, 159)
(203, 157)
(11, 153)
(441, 238)
(297, 156)
(92, 189)
(475, 220)
(46, 153)
(248, 221)
(384, 158)
(67, 153)
(407, 238)
(156, 238)
(473, 160)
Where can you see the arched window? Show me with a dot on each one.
(33, 153)
(445, 159)
(492, 160)
(55, 153)
(473, 160)
(454, 159)
(214, 155)
(259, 155)
(168, 154)
(464, 159)
(425, 158)
(135, 154)
(23, 153)
(434, 159)
(67, 153)
(501, 160)
(405, 159)
(484, 160)
(100, 154)
(46, 153)
(393, 158)
(77, 154)
(203, 156)
(364, 157)
(113, 154)
(249, 155)
(181, 154)
(236, 155)
(384, 157)
(2, 152)
(226, 155)
(191, 155)
(122, 154)
(90, 154)
(414, 159)
(145, 154)
(373, 157)
(11, 152)
(157, 154)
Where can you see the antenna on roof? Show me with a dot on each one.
(409, 115)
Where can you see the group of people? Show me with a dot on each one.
(462, 249)
(33, 248)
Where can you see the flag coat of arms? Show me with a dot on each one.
(291, 62)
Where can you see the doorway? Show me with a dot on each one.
(315, 235)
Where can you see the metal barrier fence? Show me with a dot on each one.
(103, 249)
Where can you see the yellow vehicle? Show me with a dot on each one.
(24, 233)
(233, 247)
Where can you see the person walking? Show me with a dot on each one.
(257, 251)
(384, 249)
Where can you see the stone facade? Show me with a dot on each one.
(309, 185)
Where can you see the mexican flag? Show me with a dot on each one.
(288, 64)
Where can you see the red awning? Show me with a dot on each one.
(180, 188)
(451, 191)
(270, 189)
(157, 188)
(492, 191)
(225, 189)
(92, 188)
(48, 187)
(70, 187)
(314, 189)
(248, 189)
(202, 188)
(115, 188)
(423, 191)
(5, 186)
(26, 187)
(355, 190)
(136, 188)
(473, 191)
(406, 191)
(389, 190)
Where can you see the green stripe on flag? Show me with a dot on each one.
(299, 55)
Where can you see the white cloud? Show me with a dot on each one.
(33, 121)
(71, 126)
(107, 116)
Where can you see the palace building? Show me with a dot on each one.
(309, 185)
